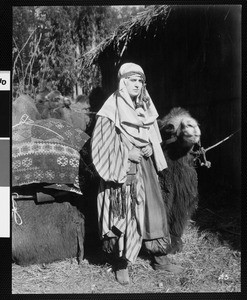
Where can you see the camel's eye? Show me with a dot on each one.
(169, 127)
(190, 123)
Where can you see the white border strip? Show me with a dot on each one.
(4, 212)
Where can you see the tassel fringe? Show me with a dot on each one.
(118, 199)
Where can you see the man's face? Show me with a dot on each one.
(134, 85)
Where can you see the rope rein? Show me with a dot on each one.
(201, 153)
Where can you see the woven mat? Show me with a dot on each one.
(46, 151)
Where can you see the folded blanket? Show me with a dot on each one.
(46, 151)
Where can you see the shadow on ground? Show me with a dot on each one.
(219, 212)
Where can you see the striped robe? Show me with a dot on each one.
(110, 156)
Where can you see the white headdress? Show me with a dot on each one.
(120, 109)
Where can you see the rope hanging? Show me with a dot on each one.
(15, 214)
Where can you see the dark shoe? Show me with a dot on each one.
(121, 272)
(163, 263)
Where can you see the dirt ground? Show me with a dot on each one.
(211, 260)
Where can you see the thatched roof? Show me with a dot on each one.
(128, 30)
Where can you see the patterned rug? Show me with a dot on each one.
(46, 151)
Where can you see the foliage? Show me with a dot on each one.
(138, 24)
(48, 42)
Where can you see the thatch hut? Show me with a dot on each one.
(192, 58)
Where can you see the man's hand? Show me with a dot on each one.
(135, 155)
(147, 151)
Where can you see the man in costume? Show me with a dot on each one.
(127, 155)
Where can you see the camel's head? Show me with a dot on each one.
(179, 126)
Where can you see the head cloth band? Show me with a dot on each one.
(126, 75)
